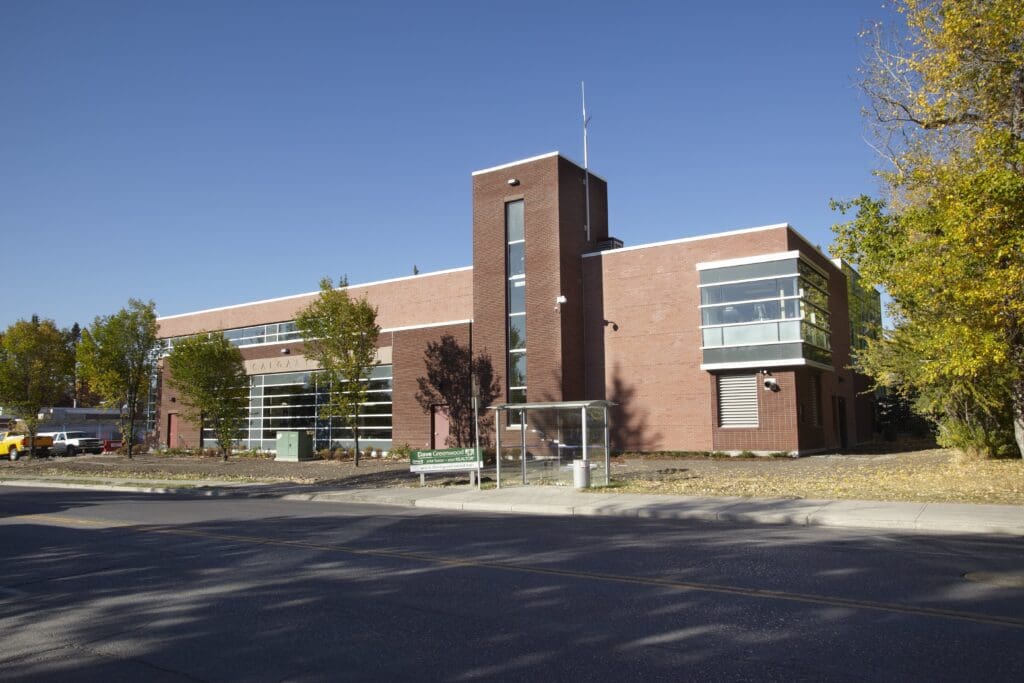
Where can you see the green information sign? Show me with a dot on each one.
(449, 459)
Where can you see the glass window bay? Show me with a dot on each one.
(292, 401)
(772, 311)
(515, 329)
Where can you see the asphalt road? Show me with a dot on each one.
(118, 587)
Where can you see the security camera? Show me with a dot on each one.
(771, 384)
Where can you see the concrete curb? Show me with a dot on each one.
(951, 518)
(893, 516)
(207, 489)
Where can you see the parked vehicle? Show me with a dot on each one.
(14, 444)
(72, 443)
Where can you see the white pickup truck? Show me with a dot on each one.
(72, 443)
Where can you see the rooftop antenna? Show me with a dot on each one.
(586, 160)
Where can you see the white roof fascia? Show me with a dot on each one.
(515, 163)
(425, 325)
(749, 364)
(748, 260)
(536, 158)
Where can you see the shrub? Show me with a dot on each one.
(402, 450)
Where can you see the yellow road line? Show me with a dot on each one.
(674, 584)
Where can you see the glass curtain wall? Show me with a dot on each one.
(292, 401)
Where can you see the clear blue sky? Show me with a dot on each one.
(203, 154)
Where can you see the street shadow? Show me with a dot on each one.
(299, 590)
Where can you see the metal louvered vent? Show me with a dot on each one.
(737, 401)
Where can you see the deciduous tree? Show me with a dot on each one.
(946, 106)
(117, 358)
(450, 368)
(209, 373)
(340, 333)
(36, 369)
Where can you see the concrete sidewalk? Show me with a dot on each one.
(558, 500)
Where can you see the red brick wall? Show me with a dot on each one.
(647, 356)
(552, 190)
(572, 244)
(411, 424)
(777, 417)
(651, 362)
(167, 403)
(415, 300)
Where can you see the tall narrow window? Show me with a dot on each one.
(814, 400)
(515, 329)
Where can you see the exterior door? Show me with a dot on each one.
(843, 438)
(439, 426)
(172, 430)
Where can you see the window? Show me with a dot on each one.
(813, 413)
(292, 401)
(271, 333)
(737, 401)
(745, 308)
(515, 325)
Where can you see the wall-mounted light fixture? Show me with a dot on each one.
(769, 382)
(615, 325)
(559, 300)
(286, 351)
(513, 181)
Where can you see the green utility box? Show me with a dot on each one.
(294, 446)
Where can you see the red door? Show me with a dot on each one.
(439, 426)
(172, 430)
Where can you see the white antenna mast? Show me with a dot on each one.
(586, 160)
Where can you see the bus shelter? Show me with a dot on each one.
(538, 442)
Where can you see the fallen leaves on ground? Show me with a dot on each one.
(932, 476)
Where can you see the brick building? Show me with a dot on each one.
(733, 341)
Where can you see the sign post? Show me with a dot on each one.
(446, 460)
(476, 430)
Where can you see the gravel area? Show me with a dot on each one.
(934, 475)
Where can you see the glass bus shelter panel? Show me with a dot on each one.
(553, 439)
(510, 473)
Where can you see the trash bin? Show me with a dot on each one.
(580, 474)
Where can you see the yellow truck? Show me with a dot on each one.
(13, 445)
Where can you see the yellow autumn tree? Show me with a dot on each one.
(945, 104)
